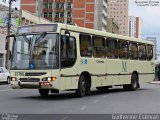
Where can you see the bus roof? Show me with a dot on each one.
(95, 32)
(106, 34)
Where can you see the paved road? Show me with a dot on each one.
(144, 100)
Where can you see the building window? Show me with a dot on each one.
(45, 15)
(61, 5)
(46, 5)
(61, 15)
(69, 5)
(69, 14)
(50, 5)
(56, 5)
(57, 15)
(50, 14)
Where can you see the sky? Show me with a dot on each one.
(149, 14)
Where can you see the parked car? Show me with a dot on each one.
(4, 75)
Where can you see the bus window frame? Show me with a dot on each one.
(121, 40)
(104, 40)
(91, 45)
(131, 58)
(112, 39)
(141, 59)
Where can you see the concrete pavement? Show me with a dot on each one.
(155, 82)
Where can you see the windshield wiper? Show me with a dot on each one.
(41, 36)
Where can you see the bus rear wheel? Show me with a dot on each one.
(134, 83)
(43, 92)
(81, 91)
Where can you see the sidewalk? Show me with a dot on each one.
(155, 82)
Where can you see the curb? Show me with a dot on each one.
(155, 82)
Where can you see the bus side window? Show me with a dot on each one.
(68, 51)
(85, 45)
(111, 46)
(99, 49)
(133, 50)
(142, 52)
(149, 52)
(123, 49)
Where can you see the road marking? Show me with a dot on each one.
(83, 108)
(95, 101)
(6, 90)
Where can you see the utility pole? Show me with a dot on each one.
(8, 33)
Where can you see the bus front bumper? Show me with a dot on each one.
(32, 85)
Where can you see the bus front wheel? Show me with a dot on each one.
(43, 92)
(81, 91)
(134, 83)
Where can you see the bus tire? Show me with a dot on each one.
(134, 83)
(43, 92)
(81, 91)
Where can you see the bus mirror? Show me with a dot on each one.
(67, 33)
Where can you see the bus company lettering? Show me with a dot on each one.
(124, 66)
(99, 61)
(19, 74)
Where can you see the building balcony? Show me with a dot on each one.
(58, 9)
(69, 19)
(45, 0)
(61, 1)
(69, 9)
(45, 9)
(49, 18)
(50, 1)
(70, 1)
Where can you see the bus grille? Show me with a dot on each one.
(29, 79)
(35, 73)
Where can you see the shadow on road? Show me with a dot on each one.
(3, 83)
(71, 95)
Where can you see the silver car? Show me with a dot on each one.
(4, 75)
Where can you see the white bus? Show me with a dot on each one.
(57, 57)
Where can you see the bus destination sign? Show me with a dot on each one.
(37, 28)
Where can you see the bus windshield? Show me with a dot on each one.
(35, 51)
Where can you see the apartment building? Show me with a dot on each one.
(84, 13)
(118, 10)
(135, 26)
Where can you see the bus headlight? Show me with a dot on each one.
(49, 79)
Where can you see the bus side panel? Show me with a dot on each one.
(98, 71)
(114, 68)
(142, 68)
